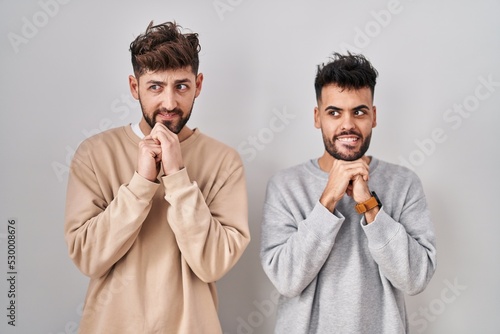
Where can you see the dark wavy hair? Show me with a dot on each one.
(351, 71)
(164, 47)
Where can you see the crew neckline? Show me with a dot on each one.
(313, 166)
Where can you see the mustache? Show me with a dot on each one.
(348, 133)
(176, 111)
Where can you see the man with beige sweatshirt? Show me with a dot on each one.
(156, 212)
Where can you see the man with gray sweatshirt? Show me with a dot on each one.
(346, 236)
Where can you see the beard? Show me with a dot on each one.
(351, 155)
(174, 126)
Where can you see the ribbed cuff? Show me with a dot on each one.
(381, 231)
(142, 188)
(322, 222)
(179, 179)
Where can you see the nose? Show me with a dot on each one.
(347, 121)
(169, 101)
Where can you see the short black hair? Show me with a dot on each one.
(351, 71)
(164, 47)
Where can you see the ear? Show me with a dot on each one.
(317, 119)
(134, 86)
(199, 84)
(374, 123)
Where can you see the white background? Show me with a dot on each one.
(64, 68)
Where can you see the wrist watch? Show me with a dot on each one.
(369, 204)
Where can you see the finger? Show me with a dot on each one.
(354, 173)
(162, 137)
(161, 128)
(150, 140)
(150, 147)
(156, 153)
(349, 189)
(160, 125)
(361, 172)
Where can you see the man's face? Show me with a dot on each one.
(346, 118)
(167, 96)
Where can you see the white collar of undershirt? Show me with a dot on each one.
(137, 130)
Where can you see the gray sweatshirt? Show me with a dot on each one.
(336, 274)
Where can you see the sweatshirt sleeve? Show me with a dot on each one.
(293, 252)
(99, 232)
(404, 246)
(211, 233)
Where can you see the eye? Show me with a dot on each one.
(182, 87)
(334, 112)
(359, 112)
(155, 87)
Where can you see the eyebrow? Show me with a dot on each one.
(163, 83)
(334, 108)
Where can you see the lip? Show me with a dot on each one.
(347, 139)
(167, 116)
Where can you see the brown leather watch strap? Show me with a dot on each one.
(368, 205)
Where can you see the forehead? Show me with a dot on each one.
(170, 75)
(335, 95)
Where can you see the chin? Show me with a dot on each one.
(346, 156)
(170, 126)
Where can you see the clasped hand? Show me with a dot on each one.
(346, 177)
(160, 147)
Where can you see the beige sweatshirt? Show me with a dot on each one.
(153, 251)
